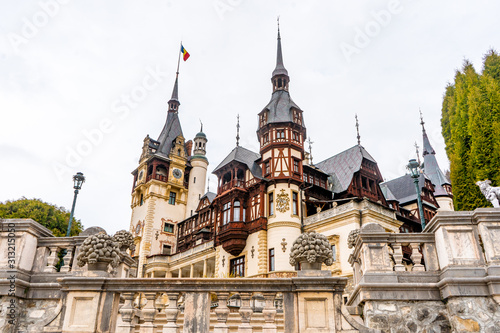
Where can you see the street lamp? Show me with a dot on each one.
(78, 180)
(414, 173)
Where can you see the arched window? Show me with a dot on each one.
(226, 210)
(236, 211)
(142, 200)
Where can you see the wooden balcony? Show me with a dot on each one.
(157, 177)
(232, 184)
(233, 236)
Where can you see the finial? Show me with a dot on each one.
(421, 119)
(278, 26)
(357, 129)
(418, 155)
(238, 131)
(201, 129)
(310, 150)
(208, 186)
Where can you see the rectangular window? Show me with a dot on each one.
(166, 249)
(334, 252)
(237, 267)
(280, 134)
(295, 136)
(267, 168)
(295, 207)
(271, 260)
(171, 199)
(271, 204)
(364, 183)
(168, 227)
(296, 166)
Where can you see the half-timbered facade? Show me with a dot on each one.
(265, 200)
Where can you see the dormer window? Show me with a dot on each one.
(296, 117)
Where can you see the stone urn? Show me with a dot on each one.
(98, 252)
(125, 240)
(311, 249)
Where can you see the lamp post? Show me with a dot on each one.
(414, 173)
(78, 180)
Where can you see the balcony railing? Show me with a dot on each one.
(157, 177)
(232, 184)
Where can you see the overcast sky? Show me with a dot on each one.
(83, 82)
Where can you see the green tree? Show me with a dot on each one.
(471, 130)
(50, 216)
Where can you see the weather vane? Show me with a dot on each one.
(418, 155)
(357, 129)
(238, 131)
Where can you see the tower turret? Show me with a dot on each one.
(442, 186)
(198, 174)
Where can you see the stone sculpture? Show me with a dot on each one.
(99, 251)
(491, 193)
(351, 239)
(311, 248)
(125, 240)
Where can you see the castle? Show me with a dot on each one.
(264, 200)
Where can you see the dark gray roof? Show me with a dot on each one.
(431, 167)
(341, 167)
(244, 156)
(402, 189)
(210, 196)
(170, 131)
(280, 108)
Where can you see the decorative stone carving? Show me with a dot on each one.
(125, 240)
(311, 248)
(351, 239)
(282, 202)
(492, 194)
(98, 251)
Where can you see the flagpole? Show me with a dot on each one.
(179, 60)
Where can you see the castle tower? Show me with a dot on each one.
(198, 173)
(160, 188)
(442, 186)
(281, 134)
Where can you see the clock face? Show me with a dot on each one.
(177, 173)
(141, 174)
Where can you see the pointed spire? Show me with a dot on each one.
(280, 68)
(427, 145)
(357, 129)
(238, 132)
(173, 103)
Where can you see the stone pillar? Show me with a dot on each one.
(127, 313)
(148, 313)
(398, 257)
(171, 312)
(180, 273)
(196, 312)
(416, 256)
(67, 260)
(204, 268)
(222, 313)
(52, 260)
(245, 313)
(191, 271)
(269, 313)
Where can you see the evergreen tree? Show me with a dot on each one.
(471, 130)
(50, 216)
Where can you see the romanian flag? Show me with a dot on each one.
(185, 54)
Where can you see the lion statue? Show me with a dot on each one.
(492, 194)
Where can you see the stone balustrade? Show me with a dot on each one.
(445, 278)
(172, 305)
